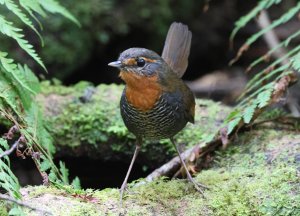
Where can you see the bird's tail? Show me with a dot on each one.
(177, 48)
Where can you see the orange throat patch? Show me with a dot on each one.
(142, 92)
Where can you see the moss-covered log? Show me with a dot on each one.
(257, 175)
(86, 121)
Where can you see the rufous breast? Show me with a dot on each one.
(142, 92)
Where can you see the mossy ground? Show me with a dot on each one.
(258, 174)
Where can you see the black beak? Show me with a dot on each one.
(116, 64)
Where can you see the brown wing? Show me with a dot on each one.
(177, 48)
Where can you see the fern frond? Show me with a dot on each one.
(261, 76)
(264, 97)
(242, 22)
(234, 114)
(14, 8)
(32, 6)
(23, 75)
(232, 124)
(255, 82)
(8, 29)
(8, 96)
(65, 172)
(8, 180)
(76, 183)
(54, 7)
(284, 43)
(248, 113)
(295, 62)
(18, 86)
(283, 19)
(253, 95)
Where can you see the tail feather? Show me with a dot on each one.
(177, 48)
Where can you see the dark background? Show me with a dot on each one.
(73, 53)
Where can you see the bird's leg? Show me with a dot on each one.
(197, 185)
(137, 149)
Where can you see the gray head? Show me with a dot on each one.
(139, 60)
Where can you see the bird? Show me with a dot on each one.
(156, 104)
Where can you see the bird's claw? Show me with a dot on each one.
(198, 186)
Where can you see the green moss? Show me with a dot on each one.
(55, 87)
(3, 209)
(257, 175)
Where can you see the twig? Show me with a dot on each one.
(174, 164)
(9, 151)
(24, 204)
(169, 167)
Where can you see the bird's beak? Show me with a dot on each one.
(116, 64)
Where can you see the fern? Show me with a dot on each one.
(18, 87)
(283, 19)
(284, 43)
(259, 90)
(8, 29)
(233, 124)
(8, 180)
(248, 113)
(242, 22)
(264, 97)
(18, 12)
(54, 7)
(295, 62)
(23, 75)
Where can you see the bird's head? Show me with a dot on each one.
(139, 62)
(141, 70)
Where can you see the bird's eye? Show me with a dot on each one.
(140, 62)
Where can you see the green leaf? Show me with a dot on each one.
(16, 210)
(36, 129)
(264, 97)
(9, 96)
(284, 43)
(261, 5)
(232, 124)
(54, 7)
(76, 183)
(23, 75)
(65, 172)
(45, 165)
(248, 113)
(18, 12)
(296, 62)
(3, 144)
(8, 29)
(233, 114)
(283, 19)
(33, 6)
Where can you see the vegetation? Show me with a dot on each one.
(18, 88)
(254, 176)
(259, 89)
(243, 179)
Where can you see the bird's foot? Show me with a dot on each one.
(198, 186)
(122, 189)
